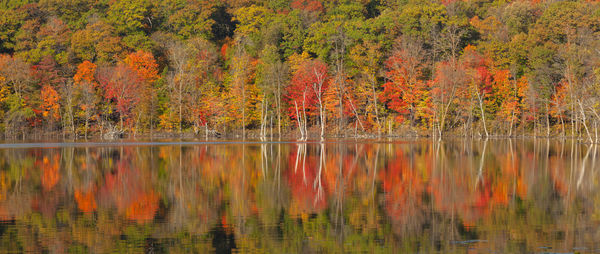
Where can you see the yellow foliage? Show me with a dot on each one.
(296, 60)
(3, 89)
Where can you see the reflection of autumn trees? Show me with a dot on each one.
(193, 188)
(313, 197)
(86, 200)
(305, 183)
(50, 174)
(129, 189)
(404, 189)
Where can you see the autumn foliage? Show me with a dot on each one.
(353, 68)
(302, 91)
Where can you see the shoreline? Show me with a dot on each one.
(166, 140)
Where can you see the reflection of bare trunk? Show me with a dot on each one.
(375, 163)
(181, 173)
(264, 159)
(317, 182)
(572, 166)
(278, 168)
(339, 201)
(301, 158)
(583, 164)
(480, 173)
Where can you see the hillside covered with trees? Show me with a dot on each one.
(85, 68)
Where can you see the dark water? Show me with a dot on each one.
(455, 196)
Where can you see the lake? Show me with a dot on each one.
(393, 196)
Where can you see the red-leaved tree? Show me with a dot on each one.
(305, 93)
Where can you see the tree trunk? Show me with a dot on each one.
(278, 107)
(547, 120)
(86, 127)
(479, 97)
(584, 122)
(375, 106)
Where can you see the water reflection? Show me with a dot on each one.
(414, 196)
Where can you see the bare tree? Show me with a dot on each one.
(318, 89)
(178, 54)
(447, 44)
(15, 73)
(239, 73)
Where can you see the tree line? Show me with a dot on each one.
(299, 67)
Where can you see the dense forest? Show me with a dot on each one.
(304, 68)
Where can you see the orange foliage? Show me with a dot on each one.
(86, 201)
(144, 64)
(50, 103)
(50, 171)
(85, 73)
(559, 100)
(404, 89)
(143, 208)
(127, 188)
(403, 186)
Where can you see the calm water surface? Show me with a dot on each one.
(497, 196)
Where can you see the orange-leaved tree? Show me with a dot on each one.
(144, 64)
(405, 92)
(86, 88)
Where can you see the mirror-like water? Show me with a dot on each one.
(401, 196)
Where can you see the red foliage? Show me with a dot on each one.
(403, 187)
(307, 5)
(301, 177)
(225, 48)
(478, 67)
(46, 72)
(123, 85)
(301, 88)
